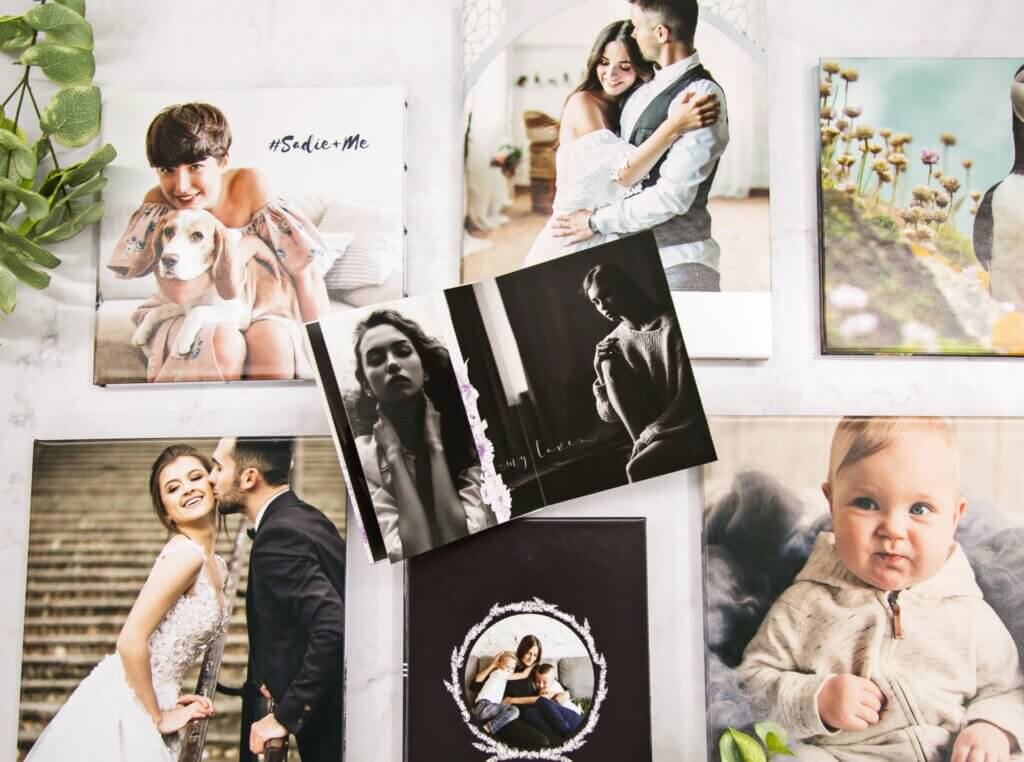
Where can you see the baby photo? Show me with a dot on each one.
(233, 217)
(530, 643)
(861, 587)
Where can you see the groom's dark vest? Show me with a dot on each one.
(695, 225)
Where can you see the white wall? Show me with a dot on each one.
(45, 349)
(556, 638)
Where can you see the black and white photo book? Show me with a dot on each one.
(457, 411)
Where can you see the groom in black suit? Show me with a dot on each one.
(294, 601)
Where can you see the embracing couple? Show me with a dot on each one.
(131, 707)
(639, 144)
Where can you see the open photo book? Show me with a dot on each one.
(459, 410)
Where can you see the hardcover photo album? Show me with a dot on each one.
(138, 553)
(457, 411)
(233, 217)
(862, 596)
(530, 643)
(532, 163)
(921, 195)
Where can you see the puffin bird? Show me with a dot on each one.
(999, 223)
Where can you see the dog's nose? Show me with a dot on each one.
(169, 260)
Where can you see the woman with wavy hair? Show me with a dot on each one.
(593, 165)
(131, 707)
(413, 437)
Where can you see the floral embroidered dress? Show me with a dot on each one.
(286, 231)
(103, 719)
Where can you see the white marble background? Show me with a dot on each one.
(46, 347)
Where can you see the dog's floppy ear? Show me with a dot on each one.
(227, 270)
(131, 262)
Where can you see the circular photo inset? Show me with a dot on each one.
(528, 678)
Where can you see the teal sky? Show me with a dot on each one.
(929, 96)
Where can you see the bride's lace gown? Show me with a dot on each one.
(585, 170)
(103, 719)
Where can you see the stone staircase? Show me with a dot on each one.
(93, 537)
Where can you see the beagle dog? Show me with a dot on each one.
(211, 274)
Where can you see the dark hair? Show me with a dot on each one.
(525, 644)
(164, 459)
(680, 16)
(187, 133)
(440, 385)
(543, 669)
(271, 457)
(633, 296)
(617, 31)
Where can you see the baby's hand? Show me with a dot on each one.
(849, 702)
(981, 742)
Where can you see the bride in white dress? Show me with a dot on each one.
(130, 707)
(594, 167)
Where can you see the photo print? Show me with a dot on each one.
(145, 596)
(234, 216)
(457, 411)
(511, 658)
(567, 115)
(862, 587)
(920, 198)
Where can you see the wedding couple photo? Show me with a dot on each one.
(223, 234)
(185, 600)
(581, 131)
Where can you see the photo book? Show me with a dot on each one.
(139, 559)
(233, 217)
(862, 588)
(530, 643)
(459, 410)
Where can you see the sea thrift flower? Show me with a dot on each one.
(923, 193)
(947, 139)
(853, 111)
(851, 75)
(863, 132)
(976, 195)
(898, 160)
(929, 157)
(874, 148)
(825, 88)
(967, 163)
(831, 67)
(951, 184)
(941, 199)
(828, 113)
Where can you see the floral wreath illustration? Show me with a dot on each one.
(490, 745)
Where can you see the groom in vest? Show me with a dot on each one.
(294, 599)
(674, 199)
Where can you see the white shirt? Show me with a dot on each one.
(687, 164)
(259, 516)
(494, 686)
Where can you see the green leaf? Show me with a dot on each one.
(36, 206)
(14, 33)
(24, 273)
(86, 188)
(74, 224)
(52, 183)
(79, 173)
(78, 6)
(60, 25)
(72, 116)
(8, 298)
(735, 746)
(22, 158)
(63, 64)
(20, 246)
(774, 737)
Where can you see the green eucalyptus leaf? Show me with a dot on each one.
(86, 188)
(57, 216)
(27, 275)
(36, 206)
(14, 33)
(22, 158)
(62, 64)
(72, 116)
(8, 297)
(21, 247)
(736, 746)
(60, 24)
(78, 6)
(52, 183)
(774, 737)
(81, 172)
(78, 219)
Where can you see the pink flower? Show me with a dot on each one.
(929, 157)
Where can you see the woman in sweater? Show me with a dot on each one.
(643, 377)
(520, 692)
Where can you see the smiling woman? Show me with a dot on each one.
(415, 442)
